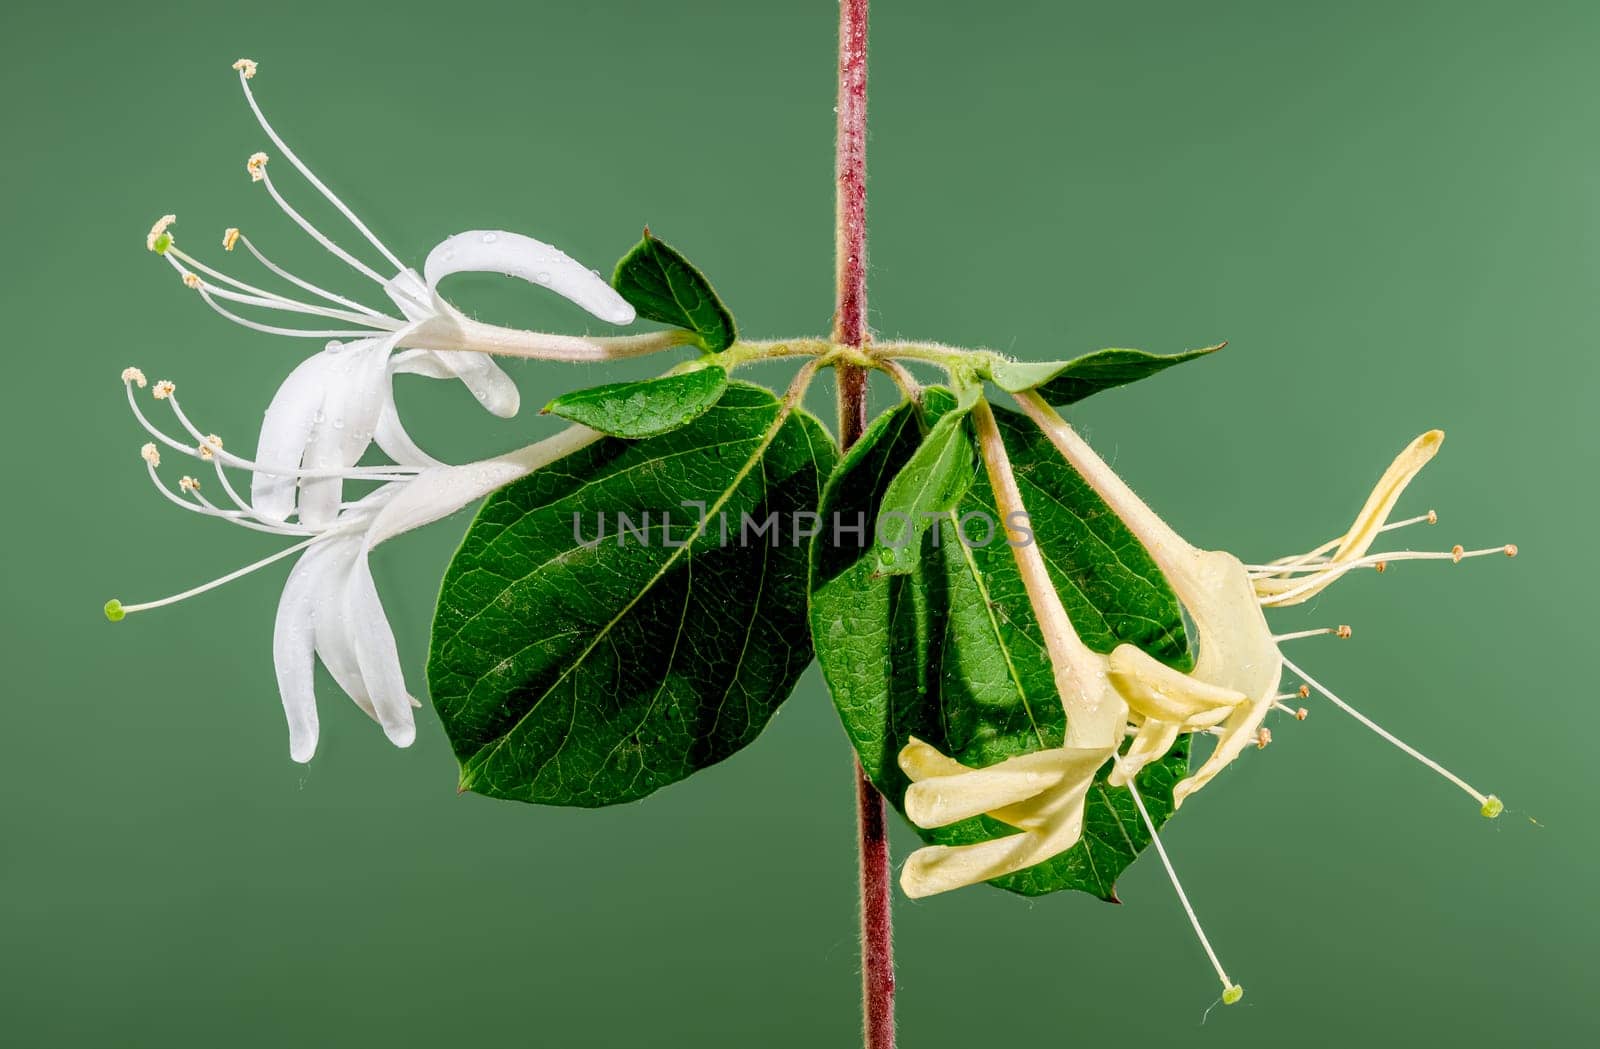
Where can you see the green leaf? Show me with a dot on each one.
(1063, 382)
(664, 286)
(573, 674)
(930, 484)
(951, 652)
(643, 409)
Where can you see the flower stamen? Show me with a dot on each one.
(1231, 992)
(158, 239)
(1342, 632)
(1489, 805)
(245, 74)
(122, 610)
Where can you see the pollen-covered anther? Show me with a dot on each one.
(1381, 565)
(1433, 517)
(257, 166)
(1343, 632)
(163, 389)
(1492, 807)
(230, 237)
(188, 484)
(150, 454)
(1457, 552)
(159, 240)
(1300, 713)
(1511, 549)
(191, 280)
(135, 376)
(246, 67)
(1263, 737)
(1304, 691)
(208, 447)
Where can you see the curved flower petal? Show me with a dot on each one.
(357, 388)
(1293, 588)
(293, 647)
(942, 800)
(333, 641)
(488, 382)
(1154, 690)
(1059, 826)
(516, 255)
(376, 653)
(285, 429)
(390, 435)
(420, 362)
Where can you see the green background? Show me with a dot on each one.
(1389, 209)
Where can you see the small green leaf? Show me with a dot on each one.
(1064, 382)
(930, 484)
(951, 652)
(568, 671)
(664, 286)
(643, 409)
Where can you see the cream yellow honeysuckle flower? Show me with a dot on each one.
(1234, 684)
(1225, 598)
(1041, 794)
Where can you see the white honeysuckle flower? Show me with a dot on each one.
(330, 608)
(337, 403)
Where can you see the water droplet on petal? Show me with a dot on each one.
(544, 278)
(490, 238)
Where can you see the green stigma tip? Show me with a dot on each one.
(162, 243)
(114, 610)
(1232, 994)
(1492, 807)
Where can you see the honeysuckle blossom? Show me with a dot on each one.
(330, 608)
(1238, 653)
(1042, 794)
(1235, 682)
(335, 404)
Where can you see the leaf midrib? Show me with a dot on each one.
(484, 754)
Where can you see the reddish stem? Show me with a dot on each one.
(850, 328)
(850, 244)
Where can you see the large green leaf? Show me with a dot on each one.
(931, 483)
(664, 286)
(1064, 382)
(575, 672)
(951, 652)
(643, 409)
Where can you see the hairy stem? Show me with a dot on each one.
(850, 330)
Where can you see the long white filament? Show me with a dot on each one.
(230, 577)
(1230, 990)
(293, 158)
(1489, 804)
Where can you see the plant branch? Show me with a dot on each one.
(850, 330)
